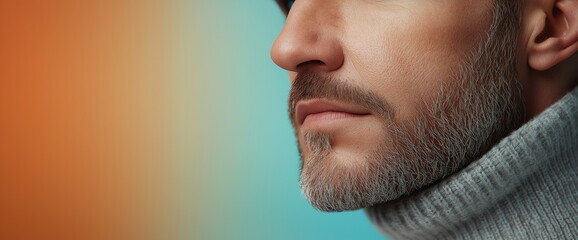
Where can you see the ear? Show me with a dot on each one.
(555, 38)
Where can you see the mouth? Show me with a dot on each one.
(324, 110)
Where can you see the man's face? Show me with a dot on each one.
(389, 96)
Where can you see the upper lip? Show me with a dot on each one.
(313, 106)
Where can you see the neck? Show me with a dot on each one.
(525, 186)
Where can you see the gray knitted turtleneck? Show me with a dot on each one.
(525, 187)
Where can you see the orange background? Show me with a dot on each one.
(78, 97)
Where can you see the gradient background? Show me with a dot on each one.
(150, 119)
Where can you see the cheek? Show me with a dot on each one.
(407, 60)
(404, 70)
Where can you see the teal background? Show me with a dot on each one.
(237, 156)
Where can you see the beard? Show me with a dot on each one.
(468, 113)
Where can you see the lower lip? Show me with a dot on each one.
(326, 117)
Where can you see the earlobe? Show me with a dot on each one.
(555, 38)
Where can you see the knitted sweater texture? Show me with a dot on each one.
(525, 187)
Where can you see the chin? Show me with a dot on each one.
(333, 183)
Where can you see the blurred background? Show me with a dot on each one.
(150, 119)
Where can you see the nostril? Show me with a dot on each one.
(310, 64)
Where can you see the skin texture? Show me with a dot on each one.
(404, 36)
(404, 52)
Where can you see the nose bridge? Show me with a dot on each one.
(313, 16)
(310, 35)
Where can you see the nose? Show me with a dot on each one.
(309, 40)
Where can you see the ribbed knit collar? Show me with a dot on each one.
(444, 207)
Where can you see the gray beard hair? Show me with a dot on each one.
(462, 122)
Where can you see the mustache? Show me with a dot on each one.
(311, 85)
